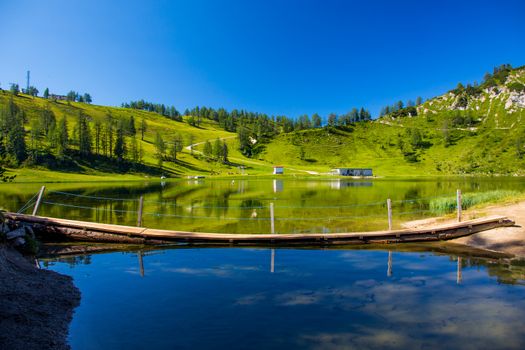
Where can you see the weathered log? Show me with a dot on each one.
(53, 228)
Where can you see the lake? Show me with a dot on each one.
(395, 296)
(243, 205)
(238, 298)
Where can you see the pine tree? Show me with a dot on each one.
(143, 128)
(16, 145)
(98, 133)
(332, 119)
(316, 120)
(120, 144)
(62, 139)
(47, 120)
(217, 149)
(35, 136)
(224, 152)
(46, 93)
(131, 127)
(176, 147)
(134, 150)
(84, 135)
(109, 134)
(207, 151)
(160, 147)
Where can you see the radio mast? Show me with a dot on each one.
(28, 77)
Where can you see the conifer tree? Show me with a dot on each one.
(84, 135)
(120, 144)
(143, 128)
(160, 148)
(217, 149)
(62, 138)
(207, 151)
(224, 152)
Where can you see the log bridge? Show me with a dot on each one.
(62, 229)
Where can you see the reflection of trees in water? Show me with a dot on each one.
(508, 271)
(71, 261)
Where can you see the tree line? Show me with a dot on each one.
(166, 111)
(51, 137)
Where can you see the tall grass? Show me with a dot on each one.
(448, 204)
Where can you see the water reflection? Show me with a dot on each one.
(242, 206)
(338, 298)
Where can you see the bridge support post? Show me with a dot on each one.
(389, 208)
(458, 199)
(272, 219)
(38, 200)
(141, 205)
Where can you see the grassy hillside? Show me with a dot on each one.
(456, 133)
(97, 167)
(472, 130)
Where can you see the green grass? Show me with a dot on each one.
(487, 149)
(448, 204)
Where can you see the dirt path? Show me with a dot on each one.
(36, 306)
(509, 240)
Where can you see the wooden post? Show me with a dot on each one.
(272, 218)
(141, 205)
(38, 200)
(458, 197)
(459, 276)
(389, 266)
(272, 261)
(389, 207)
(140, 254)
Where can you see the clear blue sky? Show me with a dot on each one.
(278, 57)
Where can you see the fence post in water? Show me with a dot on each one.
(458, 198)
(141, 205)
(389, 266)
(459, 276)
(389, 207)
(272, 218)
(38, 200)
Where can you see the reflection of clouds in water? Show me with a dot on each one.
(251, 299)
(199, 271)
(343, 297)
(362, 338)
(360, 261)
(132, 271)
(219, 271)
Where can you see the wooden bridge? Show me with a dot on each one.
(63, 229)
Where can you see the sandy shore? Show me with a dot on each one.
(508, 240)
(36, 306)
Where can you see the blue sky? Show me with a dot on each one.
(278, 57)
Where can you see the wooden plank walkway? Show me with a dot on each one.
(63, 229)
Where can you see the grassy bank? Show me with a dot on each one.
(447, 205)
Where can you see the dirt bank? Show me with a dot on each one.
(36, 306)
(509, 240)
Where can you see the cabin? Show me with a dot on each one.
(352, 172)
(57, 97)
(278, 170)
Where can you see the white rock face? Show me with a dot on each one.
(515, 99)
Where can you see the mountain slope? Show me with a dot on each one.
(460, 132)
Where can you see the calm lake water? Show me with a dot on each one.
(237, 298)
(242, 206)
